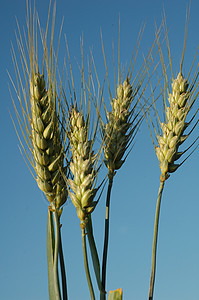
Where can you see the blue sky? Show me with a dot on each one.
(23, 214)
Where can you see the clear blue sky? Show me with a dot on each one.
(23, 213)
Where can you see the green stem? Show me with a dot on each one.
(106, 238)
(50, 254)
(57, 244)
(86, 264)
(155, 237)
(62, 266)
(94, 253)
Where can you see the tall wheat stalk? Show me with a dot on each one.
(44, 139)
(180, 101)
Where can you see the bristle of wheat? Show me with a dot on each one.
(46, 142)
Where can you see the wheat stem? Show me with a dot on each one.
(62, 266)
(106, 238)
(57, 243)
(86, 264)
(94, 253)
(50, 254)
(155, 238)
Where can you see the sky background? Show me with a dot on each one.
(23, 214)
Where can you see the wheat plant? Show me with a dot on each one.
(178, 102)
(44, 140)
(122, 123)
(82, 123)
(84, 171)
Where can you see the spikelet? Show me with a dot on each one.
(115, 131)
(172, 131)
(81, 166)
(46, 142)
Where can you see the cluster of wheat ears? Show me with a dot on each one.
(58, 136)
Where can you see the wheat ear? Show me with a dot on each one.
(172, 131)
(47, 148)
(81, 166)
(115, 130)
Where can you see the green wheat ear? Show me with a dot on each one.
(39, 119)
(180, 101)
(125, 116)
(82, 130)
(47, 147)
(82, 166)
(115, 132)
(173, 130)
